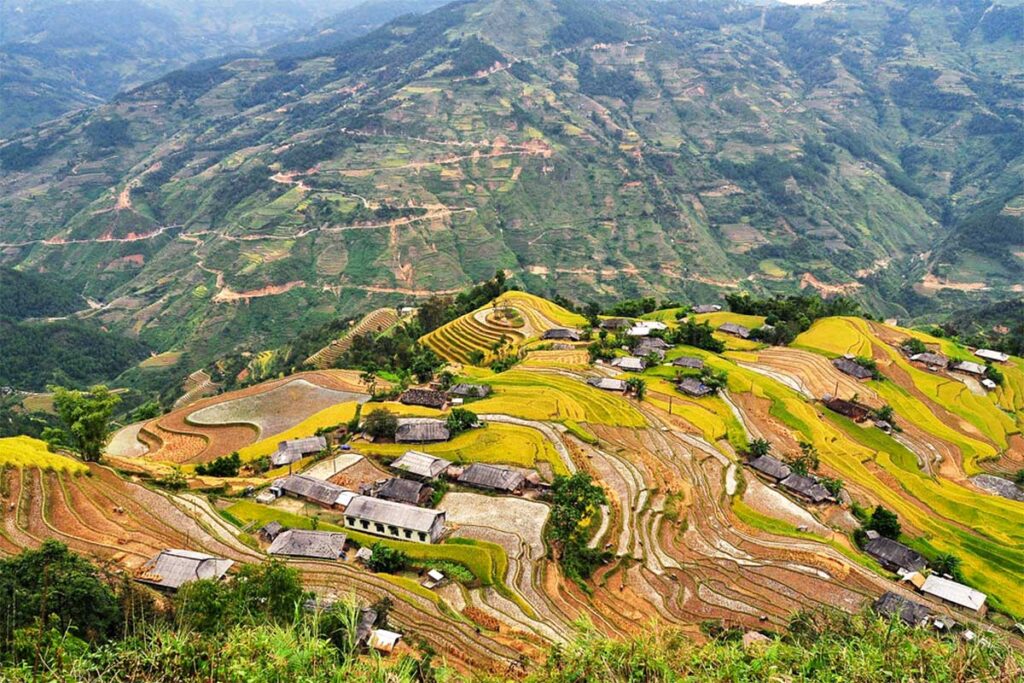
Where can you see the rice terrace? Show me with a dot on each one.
(512, 341)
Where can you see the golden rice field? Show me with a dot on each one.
(551, 397)
(24, 451)
(458, 339)
(334, 415)
(496, 443)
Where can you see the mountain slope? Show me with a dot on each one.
(596, 150)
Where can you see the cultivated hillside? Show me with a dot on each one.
(594, 149)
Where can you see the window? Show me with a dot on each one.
(423, 536)
(379, 527)
(408, 534)
(366, 525)
(393, 530)
(351, 521)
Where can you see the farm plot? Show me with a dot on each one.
(334, 415)
(496, 443)
(125, 442)
(24, 451)
(553, 397)
(274, 411)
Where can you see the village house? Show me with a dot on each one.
(395, 520)
(805, 487)
(909, 612)
(706, 308)
(271, 530)
(493, 477)
(989, 384)
(968, 367)
(424, 397)
(772, 468)
(694, 387)
(289, 452)
(894, 556)
(562, 334)
(614, 324)
(470, 390)
(934, 361)
(850, 409)
(990, 355)
(172, 569)
(648, 345)
(321, 545)
(955, 594)
(607, 383)
(421, 430)
(645, 327)
(421, 465)
(313, 490)
(735, 330)
(688, 362)
(852, 368)
(403, 491)
(629, 364)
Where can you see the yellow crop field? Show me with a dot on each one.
(544, 396)
(24, 451)
(336, 414)
(836, 337)
(576, 359)
(496, 443)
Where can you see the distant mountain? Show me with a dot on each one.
(60, 55)
(595, 150)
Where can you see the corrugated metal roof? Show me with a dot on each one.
(492, 477)
(322, 492)
(421, 429)
(174, 568)
(773, 467)
(326, 545)
(969, 367)
(561, 333)
(910, 612)
(954, 592)
(395, 514)
(292, 451)
(934, 359)
(607, 383)
(402, 490)
(895, 554)
(421, 464)
(733, 328)
(852, 368)
(806, 487)
(630, 363)
(989, 354)
(688, 362)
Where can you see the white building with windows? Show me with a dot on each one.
(394, 520)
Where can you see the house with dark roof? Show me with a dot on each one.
(421, 465)
(424, 397)
(691, 362)
(270, 531)
(172, 569)
(470, 390)
(850, 409)
(771, 467)
(395, 520)
(706, 308)
(852, 368)
(321, 545)
(421, 430)
(314, 490)
(694, 387)
(615, 324)
(805, 487)
(562, 334)
(735, 330)
(493, 477)
(629, 363)
(403, 491)
(894, 556)
(909, 612)
(932, 360)
(292, 451)
(648, 345)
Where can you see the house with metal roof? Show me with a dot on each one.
(692, 386)
(470, 390)
(172, 569)
(994, 356)
(424, 397)
(894, 556)
(955, 593)
(561, 334)
(771, 467)
(932, 360)
(850, 409)
(648, 345)
(707, 308)
(607, 383)
(805, 487)
(735, 330)
(403, 491)
(614, 324)
(691, 362)
(422, 465)
(294, 450)
(271, 530)
(313, 490)
(629, 363)
(394, 520)
(643, 328)
(421, 430)
(493, 477)
(852, 368)
(909, 612)
(968, 367)
(321, 545)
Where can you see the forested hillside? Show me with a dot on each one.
(594, 150)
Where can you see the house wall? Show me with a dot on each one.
(398, 533)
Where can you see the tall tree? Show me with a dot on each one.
(85, 417)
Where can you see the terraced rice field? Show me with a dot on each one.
(337, 414)
(24, 451)
(496, 443)
(458, 339)
(374, 322)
